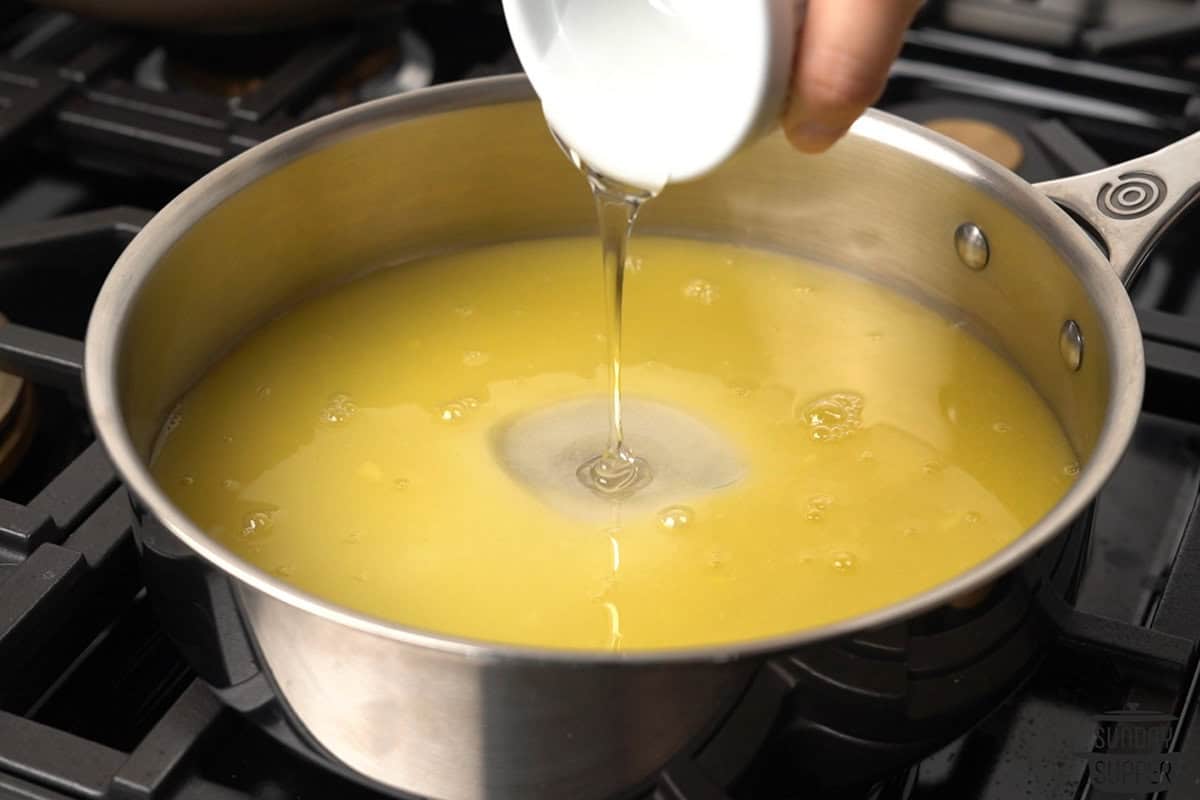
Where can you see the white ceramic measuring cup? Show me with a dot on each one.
(654, 91)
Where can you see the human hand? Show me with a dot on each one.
(842, 59)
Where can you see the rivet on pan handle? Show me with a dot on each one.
(1130, 205)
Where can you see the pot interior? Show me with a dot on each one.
(439, 182)
(466, 166)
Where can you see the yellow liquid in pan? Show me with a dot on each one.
(840, 447)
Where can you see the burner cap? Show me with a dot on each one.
(982, 137)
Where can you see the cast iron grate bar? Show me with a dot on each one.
(1178, 611)
(48, 26)
(1171, 329)
(168, 744)
(23, 530)
(59, 508)
(1083, 631)
(33, 599)
(77, 490)
(1034, 64)
(1050, 98)
(297, 80)
(1166, 33)
(98, 55)
(189, 109)
(118, 224)
(11, 787)
(56, 759)
(27, 92)
(1030, 74)
(62, 39)
(1028, 22)
(1172, 381)
(106, 536)
(1073, 154)
(100, 117)
(89, 121)
(44, 358)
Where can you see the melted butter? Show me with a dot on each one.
(871, 465)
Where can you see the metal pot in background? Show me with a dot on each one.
(470, 164)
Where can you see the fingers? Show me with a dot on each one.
(842, 59)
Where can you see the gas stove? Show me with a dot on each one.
(1074, 678)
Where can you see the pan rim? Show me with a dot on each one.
(108, 324)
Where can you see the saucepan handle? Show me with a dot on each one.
(1131, 204)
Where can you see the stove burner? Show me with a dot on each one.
(983, 137)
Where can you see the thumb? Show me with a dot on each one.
(842, 59)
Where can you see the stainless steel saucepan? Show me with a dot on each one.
(472, 163)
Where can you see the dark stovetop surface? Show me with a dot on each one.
(100, 126)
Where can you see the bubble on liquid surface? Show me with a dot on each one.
(187, 480)
(475, 358)
(256, 523)
(741, 390)
(263, 392)
(452, 412)
(701, 291)
(633, 264)
(932, 467)
(400, 484)
(285, 570)
(1071, 469)
(801, 291)
(820, 501)
(844, 562)
(1001, 427)
(353, 537)
(464, 311)
(339, 408)
(972, 517)
(817, 505)
(833, 417)
(230, 485)
(866, 456)
(673, 518)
